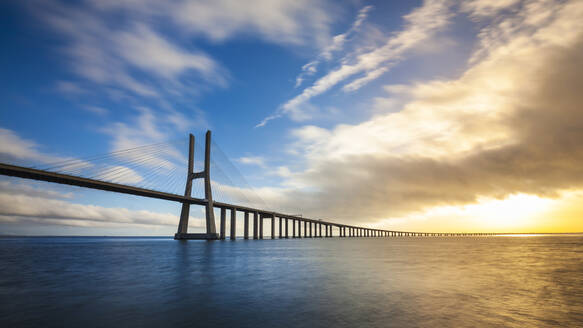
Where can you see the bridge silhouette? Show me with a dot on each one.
(289, 226)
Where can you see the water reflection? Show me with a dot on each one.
(398, 282)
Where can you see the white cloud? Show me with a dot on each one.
(147, 128)
(32, 189)
(283, 171)
(279, 21)
(114, 55)
(360, 82)
(335, 45)
(252, 160)
(421, 24)
(13, 147)
(96, 110)
(17, 206)
(143, 48)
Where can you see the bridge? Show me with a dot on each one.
(289, 225)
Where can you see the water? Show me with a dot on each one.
(350, 282)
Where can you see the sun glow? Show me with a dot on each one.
(515, 211)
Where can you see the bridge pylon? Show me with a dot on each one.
(211, 230)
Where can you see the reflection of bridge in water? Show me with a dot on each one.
(289, 226)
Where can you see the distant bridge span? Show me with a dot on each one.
(311, 227)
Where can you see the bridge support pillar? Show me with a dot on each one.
(305, 229)
(255, 225)
(299, 228)
(261, 226)
(273, 227)
(246, 225)
(233, 223)
(293, 228)
(320, 230)
(280, 222)
(223, 222)
(286, 228)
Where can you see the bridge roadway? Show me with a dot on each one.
(311, 227)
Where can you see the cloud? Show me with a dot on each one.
(335, 45)
(146, 128)
(96, 110)
(510, 124)
(15, 148)
(421, 24)
(31, 189)
(252, 160)
(277, 21)
(483, 8)
(18, 205)
(70, 88)
(131, 55)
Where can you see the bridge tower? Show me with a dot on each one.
(211, 231)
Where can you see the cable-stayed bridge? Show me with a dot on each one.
(155, 171)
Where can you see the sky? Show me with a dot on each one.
(437, 115)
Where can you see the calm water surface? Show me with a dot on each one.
(351, 282)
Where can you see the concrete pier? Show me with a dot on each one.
(246, 225)
(272, 226)
(280, 231)
(223, 223)
(299, 229)
(255, 225)
(261, 226)
(233, 223)
(286, 228)
(293, 228)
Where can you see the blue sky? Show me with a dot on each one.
(301, 95)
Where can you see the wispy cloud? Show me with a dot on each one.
(13, 147)
(114, 55)
(147, 127)
(18, 206)
(421, 24)
(335, 45)
(252, 160)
